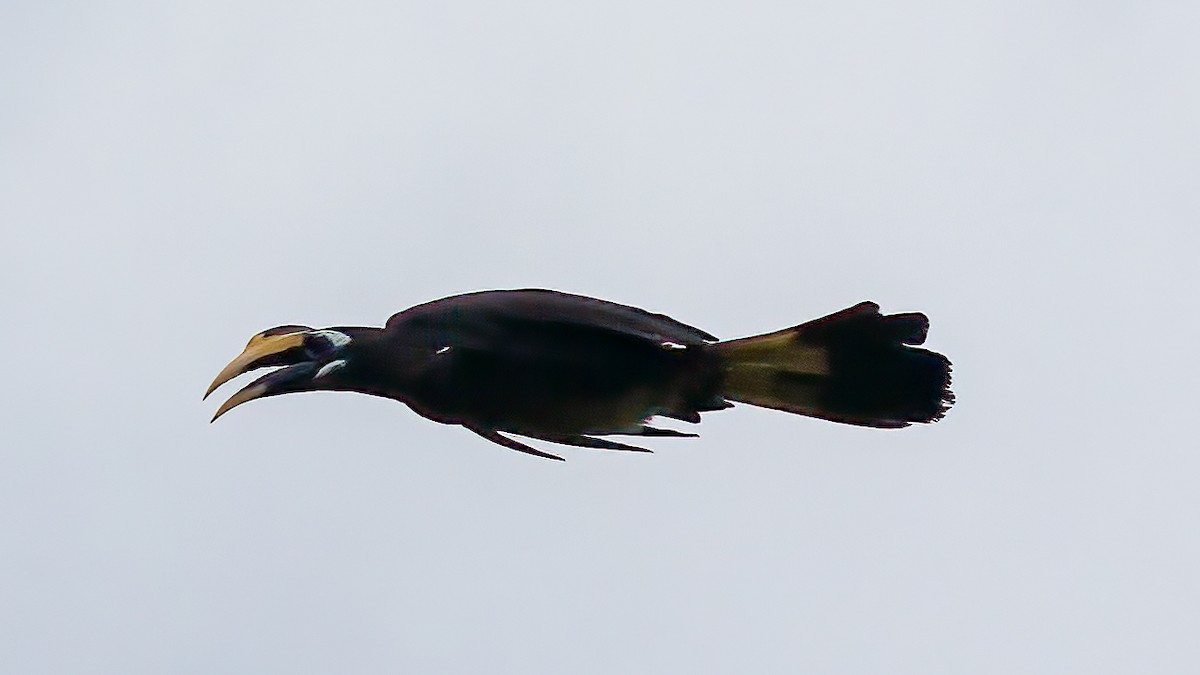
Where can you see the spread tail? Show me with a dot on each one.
(855, 366)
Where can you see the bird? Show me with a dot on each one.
(574, 370)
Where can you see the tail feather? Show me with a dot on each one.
(855, 366)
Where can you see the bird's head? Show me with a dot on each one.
(306, 359)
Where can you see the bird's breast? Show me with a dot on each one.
(559, 396)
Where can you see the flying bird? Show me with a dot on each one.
(572, 370)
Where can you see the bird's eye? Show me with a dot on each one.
(322, 344)
(317, 346)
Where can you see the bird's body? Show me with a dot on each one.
(567, 368)
(516, 360)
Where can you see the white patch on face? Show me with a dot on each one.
(674, 345)
(338, 340)
(329, 367)
(443, 350)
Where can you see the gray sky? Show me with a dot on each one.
(175, 177)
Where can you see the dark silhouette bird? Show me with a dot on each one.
(568, 369)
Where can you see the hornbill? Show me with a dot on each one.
(569, 369)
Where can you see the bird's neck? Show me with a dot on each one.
(374, 365)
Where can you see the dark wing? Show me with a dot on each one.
(512, 444)
(548, 309)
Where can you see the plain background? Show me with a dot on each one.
(175, 177)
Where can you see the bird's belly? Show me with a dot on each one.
(594, 393)
(625, 412)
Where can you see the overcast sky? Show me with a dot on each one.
(175, 177)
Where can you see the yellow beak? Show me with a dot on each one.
(258, 348)
(249, 393)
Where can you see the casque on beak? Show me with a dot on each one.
(264, 349)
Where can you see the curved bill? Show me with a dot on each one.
(259, 348)
(271, 384)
